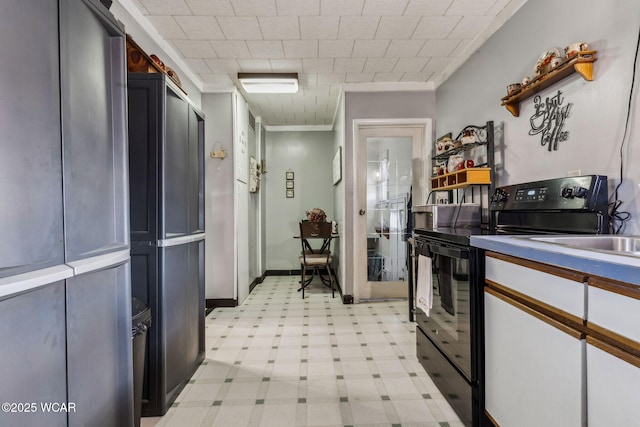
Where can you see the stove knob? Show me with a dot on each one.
(567, 193)
(499, 196)
(580, 192)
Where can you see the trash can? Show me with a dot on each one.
(140, 322)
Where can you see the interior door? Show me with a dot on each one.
(389, 169)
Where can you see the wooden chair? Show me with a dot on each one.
(315, 258)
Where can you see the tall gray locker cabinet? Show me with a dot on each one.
(65, 296)
(166, 163)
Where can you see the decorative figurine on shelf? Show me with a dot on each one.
(316, 215)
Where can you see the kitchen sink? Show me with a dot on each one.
(623, 245)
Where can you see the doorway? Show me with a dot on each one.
(389, 176)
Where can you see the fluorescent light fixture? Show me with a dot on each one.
(269, 82)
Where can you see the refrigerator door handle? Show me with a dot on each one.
(99, 262)
(176, 241)
(20, 283)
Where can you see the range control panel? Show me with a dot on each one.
(577, 193)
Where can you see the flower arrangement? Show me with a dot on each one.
(316, 215)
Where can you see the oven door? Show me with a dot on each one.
(449, 324)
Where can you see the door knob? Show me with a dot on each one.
(362, 212)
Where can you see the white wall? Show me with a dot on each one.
(596, 124)
(339, 190)
(309, 155)
(219, 196)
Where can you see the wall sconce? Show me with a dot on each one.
(220, 153)
(269, 82)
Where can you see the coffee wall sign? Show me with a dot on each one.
(548, 120)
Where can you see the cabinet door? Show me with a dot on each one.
(533, 370)
(33, 368)
(99, 353)
(175, 179)
(196, 171)
(30, 163)
(94, 131)
(612, 386)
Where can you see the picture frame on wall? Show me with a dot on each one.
(289, 194)
(289, 175)
(289, 185)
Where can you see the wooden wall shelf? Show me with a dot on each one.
(582, 64)
(460, 179)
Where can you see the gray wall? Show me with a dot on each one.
(219, 194)
(596, 124)
(309, 155)
(373, 105)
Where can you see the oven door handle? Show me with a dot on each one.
(449, 251)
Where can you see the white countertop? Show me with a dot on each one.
(613, 266)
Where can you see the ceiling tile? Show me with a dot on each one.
(231, 49)
(435, 47)
(331, 78)
(427, 7)
(319, 27)
(387, 77)
(397, 27)
(437, 64)
(384, 7)
(210, 7)
(194, 48)
(240, 28)
(279, 27)
(286, 65)
(435, 27)
(200, 27)
(298, 7)
(358, 27)
(166, 7)
(221, 78)
(497, 7)
(335, 48)
(324, 65)
(359, 77)
(300, 48)
(410, 65)
(341, 7)
(370, 48)
(254, 65)
(140, 6)
(469, 7)
(167, 27)
(416, 77)
(308, 80)
(380, 65)
(404, 48)
(254, 7)
(470, 26)
(266, 49)
(461, 47)
(348, 65)
(197, 65)
(222, 65)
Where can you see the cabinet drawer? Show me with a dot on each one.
(614, 307)
(562, 289)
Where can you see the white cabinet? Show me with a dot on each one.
(613, 379)
(613, 353)
(534, 364)
(561, 348)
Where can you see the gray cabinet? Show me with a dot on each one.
(30, 165)
(166, 146)
(65, 307)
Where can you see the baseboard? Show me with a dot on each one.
(257, 281)
(221, 302)
(282, 273)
